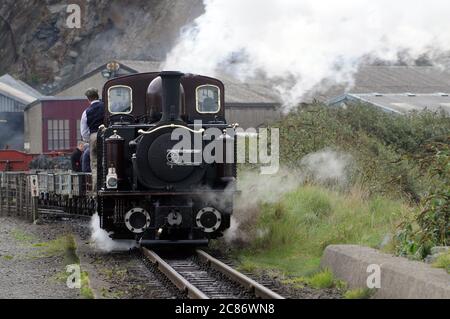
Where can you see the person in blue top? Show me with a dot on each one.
(91, 119)
(86, 160)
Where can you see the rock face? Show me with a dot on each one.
(37, 46)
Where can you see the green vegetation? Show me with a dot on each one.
(319, 280)
(443, 261)
(8, 257)
(65, 247)
(86, 291)
(21, 236)
(418, 234)
(115, 273)
(395, 197)
(382, 144)
(358, 293)
(290, 235)
(117, 294)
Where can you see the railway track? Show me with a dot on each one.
(201, 276)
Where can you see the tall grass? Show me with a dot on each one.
(290, 235)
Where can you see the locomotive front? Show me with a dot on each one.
(155, 184)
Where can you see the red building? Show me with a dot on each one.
(53, 124)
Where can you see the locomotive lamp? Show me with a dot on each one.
(114, 159)
(111, 179)
(112, 68)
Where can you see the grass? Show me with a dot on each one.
(86, 291)
(360, 293)
(21, 236)
(443, 261)
(115, 273)
(112, 294)
(320, 280)
(65, 247)
(291, 234)
(7, 257)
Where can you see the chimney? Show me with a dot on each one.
(171, 108)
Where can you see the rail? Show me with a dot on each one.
(179, 281)
(191, 277)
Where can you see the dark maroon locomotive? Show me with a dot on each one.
(151, 189)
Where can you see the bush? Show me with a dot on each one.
(381, 143)
(416, 236)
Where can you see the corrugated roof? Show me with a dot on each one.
(400, 103)
(390, 79)
(17, 90)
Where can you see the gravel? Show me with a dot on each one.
(24, 272)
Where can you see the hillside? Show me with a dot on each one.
(38, 47)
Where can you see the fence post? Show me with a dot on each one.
(8, 196)
(34, 196)
(28, 196)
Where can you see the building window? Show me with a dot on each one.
(208, 99)
(58, 135)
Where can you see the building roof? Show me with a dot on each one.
(17, 90)
(389, 79)
(235, 92)
(398, 103)
(87, 75)
(54, 98)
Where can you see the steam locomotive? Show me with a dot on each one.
(150, 188)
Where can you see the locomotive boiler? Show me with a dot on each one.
(155, 183)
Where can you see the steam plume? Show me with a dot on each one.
(298, 44)
(327, 167)
(101, 240)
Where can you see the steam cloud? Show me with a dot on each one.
(300, 44)
(327, 167)
(101, 240)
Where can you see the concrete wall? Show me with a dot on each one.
(33, 129)
(252, 116)
(399, 278)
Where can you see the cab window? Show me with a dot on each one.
(120, 100)
(208, 99)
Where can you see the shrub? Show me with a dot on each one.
(416, 236)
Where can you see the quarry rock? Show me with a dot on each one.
(400, 278)
(35, 34)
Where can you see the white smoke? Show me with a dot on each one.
(328, 167)
(101, 240)
(298, 44)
